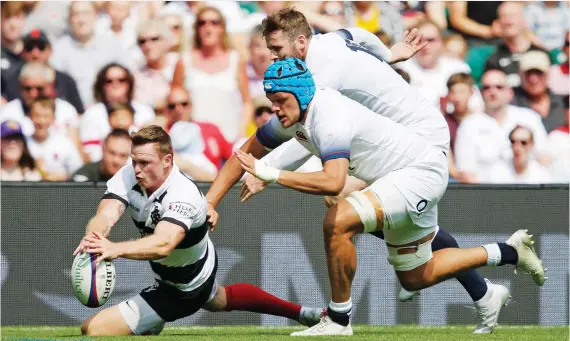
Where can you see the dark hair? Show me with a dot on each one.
(460, 78)
(120, 106)
(26, 160)
(259, 111)
(292, 22)
(404, 75)
(119, 134)
(566, 101)
(153, 134)
(99, 84)
(46, 102)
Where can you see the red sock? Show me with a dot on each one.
(247, 297)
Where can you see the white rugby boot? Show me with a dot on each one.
(489, 307)
(311, 316)
(325, 327)
(528, 261)
(405, 295)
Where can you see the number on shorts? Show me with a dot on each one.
(356, 47)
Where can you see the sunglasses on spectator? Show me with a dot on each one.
(143, 41)
(172, 106)
(115, 80)
(488, 87)
(202, 22)
(30, 46)
(30, 88)
(523, 142)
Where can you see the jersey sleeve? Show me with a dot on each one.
(271, 135)
(368, 40)
(120, 184)
(333, 141)
(288, 156)
(181, 213)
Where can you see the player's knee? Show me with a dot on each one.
(87, 329)
(412, 284)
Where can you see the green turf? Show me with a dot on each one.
(377, 333)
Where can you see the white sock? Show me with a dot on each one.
(493, 254)
(344, 307)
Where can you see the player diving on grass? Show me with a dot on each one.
(406, 177)
(170, 212)
(354, 62)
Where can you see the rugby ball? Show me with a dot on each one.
(92, 285)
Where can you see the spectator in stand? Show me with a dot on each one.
(377, 15)
(153, 80)
(476, 21)
(430, 68)
(460, 89)
(548, 20)
(216, 148)
(456, 47)
(12, 23)
(47, 16)
(559, 75)
(414, 12)
(122, 116)
(116, 153)
(534, 92)
(216, 77)
(188, 146)
(559, 146)
(482, 137)
(333, 10)
(37, 48)
(17, 163)
(178, 39)
(56, 156)
(37, 80)
(515, 41)
(118, 22)
(114, 84)
(522, 169)
(258, 62)
(84, 51)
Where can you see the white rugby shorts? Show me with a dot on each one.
(409, 197)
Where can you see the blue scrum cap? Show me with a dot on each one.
(290, 75)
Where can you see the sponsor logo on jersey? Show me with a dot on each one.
(182, 208)
(301, 136)
(136, 209)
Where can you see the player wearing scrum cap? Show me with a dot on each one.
(170, 212)
(354, 62)
(406, 178)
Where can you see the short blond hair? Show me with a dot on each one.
(153, 134)
(292, 22)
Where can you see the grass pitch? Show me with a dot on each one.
(251, 333)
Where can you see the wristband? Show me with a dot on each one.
(265, 172)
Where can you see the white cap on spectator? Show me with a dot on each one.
(534, 60)
(186, 138)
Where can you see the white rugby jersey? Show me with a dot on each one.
(177, 201)
(345, 66)
(374, 144)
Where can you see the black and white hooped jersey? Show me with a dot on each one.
(177, 201)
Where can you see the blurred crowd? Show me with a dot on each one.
(79, 77)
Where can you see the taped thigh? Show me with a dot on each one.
(365, 210)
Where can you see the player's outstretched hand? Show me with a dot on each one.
(247, 161)
(97, 243)
(212, 217)
(250, 187)
(406, 49)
